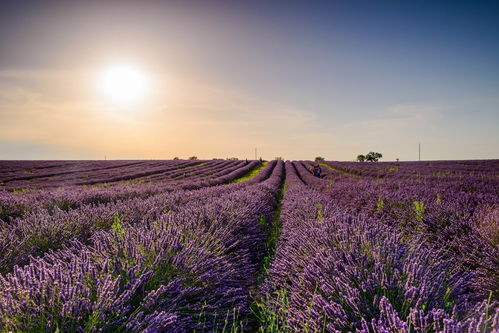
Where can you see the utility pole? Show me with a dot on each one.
(419, 151)
(255, 154)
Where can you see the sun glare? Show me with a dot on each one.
(123, 84)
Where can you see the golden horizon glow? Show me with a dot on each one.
(123, 84)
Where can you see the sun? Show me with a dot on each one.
(123, 84)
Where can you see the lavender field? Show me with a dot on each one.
(246, 246)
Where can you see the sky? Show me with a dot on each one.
(294, 79)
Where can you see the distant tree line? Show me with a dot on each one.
(190, 158)
(369, 157)
(176, 158)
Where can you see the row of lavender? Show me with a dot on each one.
(182, 261)
(465, 176)
(364, 255)
(462, 222)
(94, 172)
(16, 204)
(43, 229)
(426, 168)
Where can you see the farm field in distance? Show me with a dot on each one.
(246, 246)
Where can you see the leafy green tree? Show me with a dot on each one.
(373, 156)
(361, 158)
(193, 158)
(319, 158)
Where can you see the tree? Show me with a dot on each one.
(176, 158)
(373, 156)
(193, 158)
(319, 158)
(361, 158)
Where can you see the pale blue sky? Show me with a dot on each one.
(295, 79)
